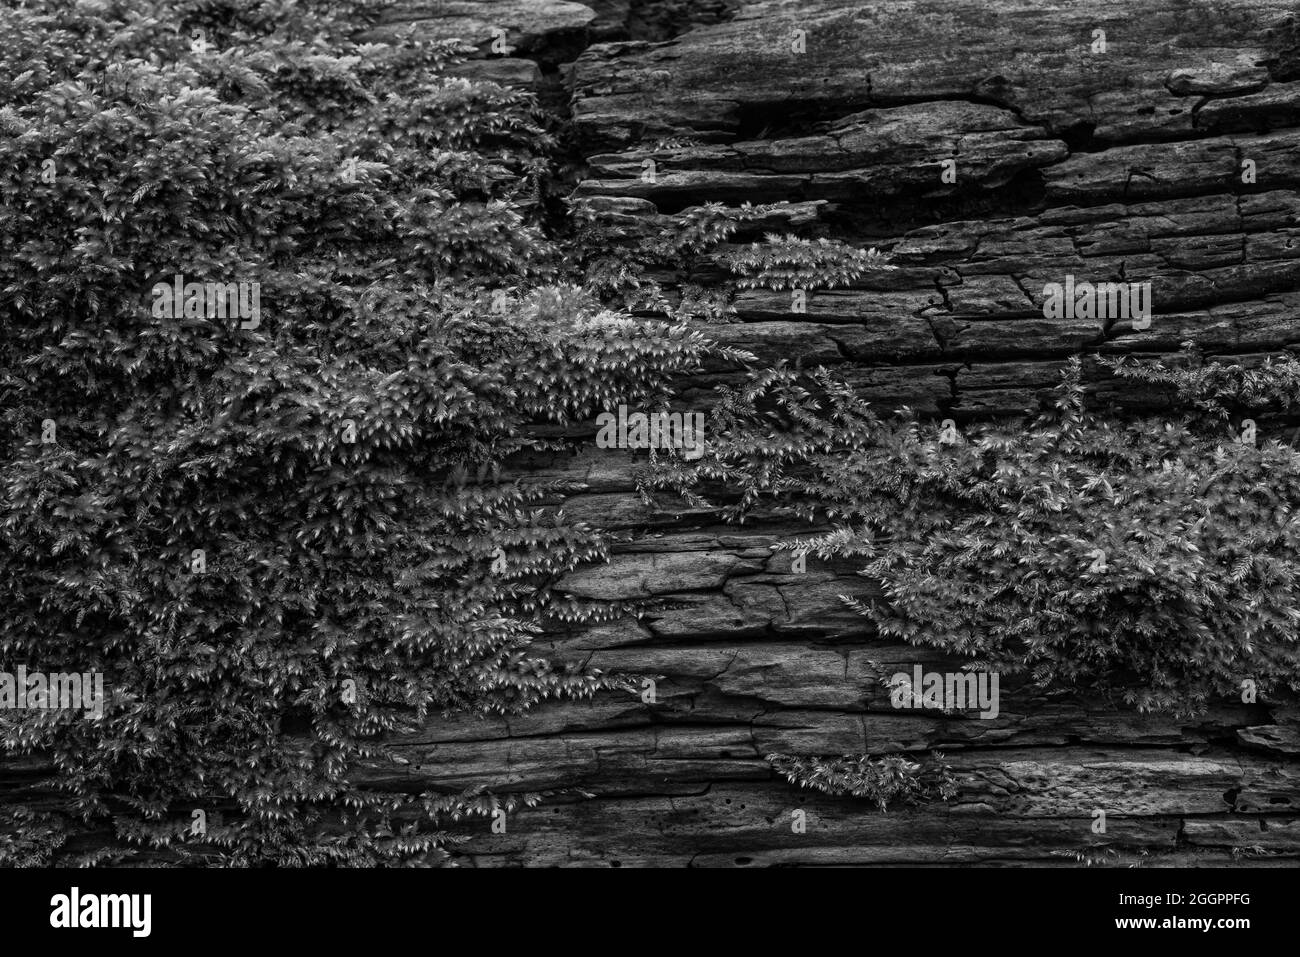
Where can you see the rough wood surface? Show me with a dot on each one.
(1122, 164)
(1119, 165)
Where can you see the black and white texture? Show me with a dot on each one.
(1124, 160)
(991, 147)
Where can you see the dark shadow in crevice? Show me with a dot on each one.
(659, 20)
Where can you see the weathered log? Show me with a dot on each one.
(1127, 160)
(1125, 163)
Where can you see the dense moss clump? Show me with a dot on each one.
(269, 510)
(1154, 558)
